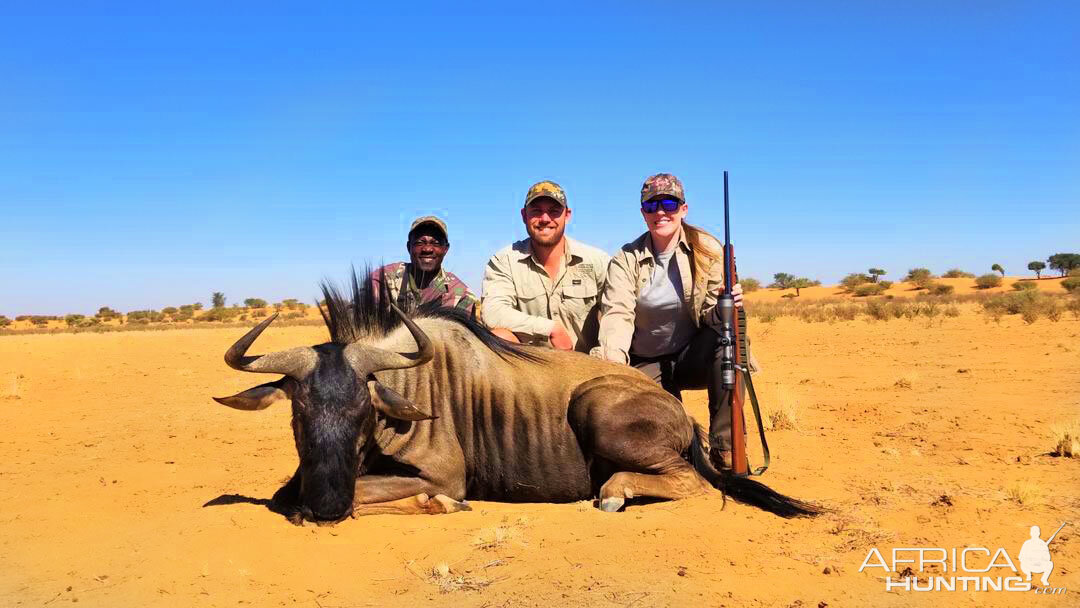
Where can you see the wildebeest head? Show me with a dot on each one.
(335, 397)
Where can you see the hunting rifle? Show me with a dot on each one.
(733, 369)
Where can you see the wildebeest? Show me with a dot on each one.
(416, 413)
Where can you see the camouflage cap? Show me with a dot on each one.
(429, 219)
(662, 184)
(546, 189)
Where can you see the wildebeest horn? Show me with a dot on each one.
(371, 359)
(295, 362)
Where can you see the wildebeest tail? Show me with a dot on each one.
(744, 489)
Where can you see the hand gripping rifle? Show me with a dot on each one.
(733, 367)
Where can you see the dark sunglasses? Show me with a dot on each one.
(669, 205)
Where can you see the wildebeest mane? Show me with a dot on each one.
(365, 314)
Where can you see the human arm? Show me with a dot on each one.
(618, 303)
(499, 307)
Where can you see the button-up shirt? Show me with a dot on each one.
(520, 296)
(444, 287)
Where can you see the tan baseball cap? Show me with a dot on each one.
(429, 219)
(546, 189)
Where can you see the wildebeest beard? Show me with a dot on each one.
(333, 419)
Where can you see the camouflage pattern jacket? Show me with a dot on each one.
(445, 287)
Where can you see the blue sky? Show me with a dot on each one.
(149, 159)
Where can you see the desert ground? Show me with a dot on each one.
(123, 484)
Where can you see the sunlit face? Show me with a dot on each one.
(665, 224)
(545, 220)
(427, 248)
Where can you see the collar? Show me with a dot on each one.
(571, 253)
(436, 281)
(647, 247)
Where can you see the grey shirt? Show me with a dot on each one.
(662, 323)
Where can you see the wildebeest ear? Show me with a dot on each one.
(257, 398)
(389, 402)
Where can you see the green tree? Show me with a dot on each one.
(73, 320)
(255, 303)
(1037, 267)
(801, 283)
(1064, 262)
(998, 268)
(218, 299)
(748, 284)
(782, 280)
(920, 277)
(956, 273)
(876, 272)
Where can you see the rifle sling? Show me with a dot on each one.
(745, 369)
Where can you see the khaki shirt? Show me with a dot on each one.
(630, 270)
(519, 295)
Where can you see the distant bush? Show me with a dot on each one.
(781, 280)
(920, 277)
(105, 313)
(1029, 304)
(145, 316)
(169, 310)
(39, 321)
(853, 280)
(217, 300)
(1071, 284)
(1023, 285)
(219, 314)
(940, 289)
(73, 320)
(4, 321)
(885, 284)
(987, 281)
(956, 273)
(750, 284)
(869, 289)
(952, 311)
(255, 303)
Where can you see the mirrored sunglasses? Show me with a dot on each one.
(668, 205)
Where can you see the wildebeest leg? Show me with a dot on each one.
(642, 432)
(384, 494)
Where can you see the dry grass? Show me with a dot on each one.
(783, 412)
(1067, 439)
(1025, 493)
(449, 581)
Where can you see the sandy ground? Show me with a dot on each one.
(123, 484)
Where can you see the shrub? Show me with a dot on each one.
(4, 321)
(750, 284)
(255, 303)
(73, 320)
(1071, 284)
(869, 289)
(219, 314)
(940, 289)
(920, 277)
(853, 280)
(956, 273)
(885, 284)
(169, 310)
(1023, 285)
(105, 313)
(1073, 306)
(952, 311)
(217, 299)
(987, 281)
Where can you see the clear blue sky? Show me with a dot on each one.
(147, 160)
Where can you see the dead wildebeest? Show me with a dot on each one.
(415, 413)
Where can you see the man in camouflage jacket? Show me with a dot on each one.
(422, 279)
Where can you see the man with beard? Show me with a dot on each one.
(544, 289)
(423, 279)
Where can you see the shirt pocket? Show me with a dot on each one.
(533, 299)
(579, 297)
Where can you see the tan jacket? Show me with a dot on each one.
(519, 295)
(630, 269)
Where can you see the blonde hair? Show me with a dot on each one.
(708, 250)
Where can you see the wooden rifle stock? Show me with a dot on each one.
(740, 465)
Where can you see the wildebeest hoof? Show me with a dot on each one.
(449, 505)
(612, 504)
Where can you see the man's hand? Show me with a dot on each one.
(559, 338)
(736, 293)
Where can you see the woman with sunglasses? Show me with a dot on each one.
(657, 305)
